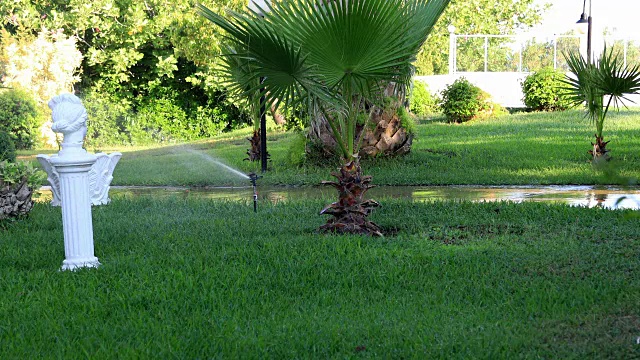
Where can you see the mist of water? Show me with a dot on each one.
(212, 160)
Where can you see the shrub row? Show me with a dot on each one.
(463, 101)
(116, 122)
(174, 117)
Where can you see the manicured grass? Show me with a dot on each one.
(191, 278)
(536, 148)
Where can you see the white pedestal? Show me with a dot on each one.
(76, 210)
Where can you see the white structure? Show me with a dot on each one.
(505, 87)
(100, 177)
(71, 168)
(258, 6)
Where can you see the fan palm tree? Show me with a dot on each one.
(333, 57)
(600, 85)
(237, 71)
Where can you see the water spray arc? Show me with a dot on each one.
(253, 178)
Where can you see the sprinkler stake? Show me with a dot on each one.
(253, 178)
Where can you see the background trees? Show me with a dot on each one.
(134, 53)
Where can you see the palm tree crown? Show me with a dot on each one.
(327, 55)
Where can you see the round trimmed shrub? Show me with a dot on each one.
(7, 148)
(462, 101)
(19, 117)
(543, 90)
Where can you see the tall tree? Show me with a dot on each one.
(333, 56)
(474, 17)
(137, 53)
(128, 45)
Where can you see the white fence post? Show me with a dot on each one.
(486, 52)
(452, 49)
(555, 51)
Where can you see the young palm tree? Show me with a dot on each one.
(332, 57)
(238, 71)
(599, 85)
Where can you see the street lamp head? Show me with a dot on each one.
(583, 19)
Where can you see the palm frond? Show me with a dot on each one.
(608, 77)
(326, 52)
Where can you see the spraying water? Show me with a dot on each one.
(214, 161)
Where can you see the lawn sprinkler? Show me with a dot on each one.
(253, 178)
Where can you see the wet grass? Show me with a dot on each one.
(523, 148)
(518, 149)
(191, 278)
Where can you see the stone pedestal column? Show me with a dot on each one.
(76, 210)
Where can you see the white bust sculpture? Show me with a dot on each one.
(70, 118)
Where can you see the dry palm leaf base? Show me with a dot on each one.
(351, 210)
(15, 201)
(254, 151)
(599, 151)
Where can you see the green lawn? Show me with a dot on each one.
(537, 148)
(192, 278)
(185, 277)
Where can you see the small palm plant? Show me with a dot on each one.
(600, 85)
(237, 71)
(333, 57)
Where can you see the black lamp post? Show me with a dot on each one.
(258, 6)
(587, 19)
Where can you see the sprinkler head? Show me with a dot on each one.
(253, 178)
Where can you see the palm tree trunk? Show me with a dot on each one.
(351, 210)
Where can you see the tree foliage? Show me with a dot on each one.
(134, 52)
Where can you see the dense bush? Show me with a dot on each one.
(7, 148)
(462, 101)
(115, 121)
(107, 123)
(296, 153)
(18, 117)
(421, 101)
(543, 90)
(164, 120)
(160, 120)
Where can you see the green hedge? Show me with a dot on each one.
(421, 101)
(18, 117)
(7, 148)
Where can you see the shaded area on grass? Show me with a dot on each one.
(519, 149)
(533, 148)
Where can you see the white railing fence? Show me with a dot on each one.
(516, 53)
